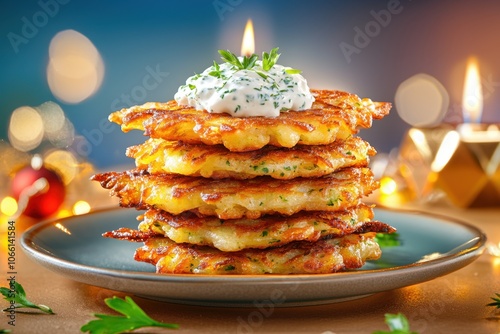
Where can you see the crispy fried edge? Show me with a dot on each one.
(159, 156)
(300, 257)
(332, 112)
(267, 231)
(134, 188)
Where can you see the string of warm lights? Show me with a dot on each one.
(58, 185)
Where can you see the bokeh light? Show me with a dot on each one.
(26, 128)
(494, 249)
(421, 100)
(75, 70)
(52, 116)
(64, 162)
(16, 160)
(8, 206)
(81, 207)
(388, 186)
(64, 137)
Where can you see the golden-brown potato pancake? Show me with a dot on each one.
(159, 156)
(232, 199)
(300, 257)
(271, 230)
(335, 115)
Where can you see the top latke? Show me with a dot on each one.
(335, 115)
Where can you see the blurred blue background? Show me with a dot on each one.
(175, 39)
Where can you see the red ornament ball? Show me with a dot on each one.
(42, 188)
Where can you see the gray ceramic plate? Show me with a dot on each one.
(431, 247)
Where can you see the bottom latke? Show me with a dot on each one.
(321, 257)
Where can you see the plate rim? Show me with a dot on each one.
(27, 239)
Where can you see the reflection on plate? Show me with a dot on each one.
(73, 247)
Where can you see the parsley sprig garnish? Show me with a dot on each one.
(388, 239)
(248, 63)
(17, 297)
(397, 323)
(269, 59)
(133, 318)
(496, 301)
(216, 72)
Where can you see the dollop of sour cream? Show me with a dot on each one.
(246, 92)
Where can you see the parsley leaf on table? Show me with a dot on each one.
(133, 318)
(398, 324)
(17, 295)
(496, 302)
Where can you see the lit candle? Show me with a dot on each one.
(472, 131)
(472, 98)
(463, 161)
(248, 43)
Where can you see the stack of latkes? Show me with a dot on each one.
(255, 195)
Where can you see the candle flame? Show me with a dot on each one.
(248, 43)
(472, 99)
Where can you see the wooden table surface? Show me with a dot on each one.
(455, 303)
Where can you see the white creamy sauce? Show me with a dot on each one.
(246, 92)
